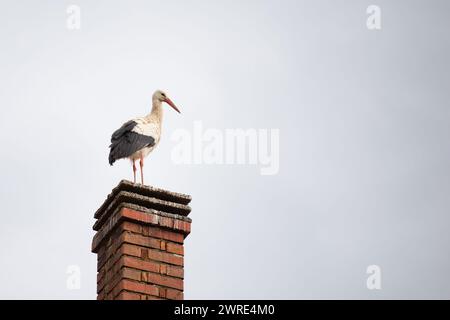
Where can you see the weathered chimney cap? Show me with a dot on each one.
(145, 197)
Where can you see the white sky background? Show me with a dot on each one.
(364, 128)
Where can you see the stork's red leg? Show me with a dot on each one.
(134, 171)
(141, 163)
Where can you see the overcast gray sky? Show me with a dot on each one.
(363, 116)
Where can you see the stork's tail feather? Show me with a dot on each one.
(111, 159)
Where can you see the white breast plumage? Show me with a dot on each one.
(148, 127)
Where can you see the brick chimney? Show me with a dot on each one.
(139, 243)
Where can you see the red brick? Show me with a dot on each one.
(171, 282)
(130, 250)
(139, 264)
(144, 253)
(165, 257)
(175, 248)
(112, 283)
(175, 272)
(140, 216)
(132, 274)
(163, 269)
(138, 287)
(163, 293)
(163, 234)
(130, 226)
(166, 222)
(182, 226)
(140, 240)
(126, 295)
(174, 294)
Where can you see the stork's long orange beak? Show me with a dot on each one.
(170, 103)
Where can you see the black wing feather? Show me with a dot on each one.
(125, 142)
(127, 126)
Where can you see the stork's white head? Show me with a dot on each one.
(162, 97)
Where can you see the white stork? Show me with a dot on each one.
(136, 138)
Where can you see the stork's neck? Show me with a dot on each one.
(157, 111)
